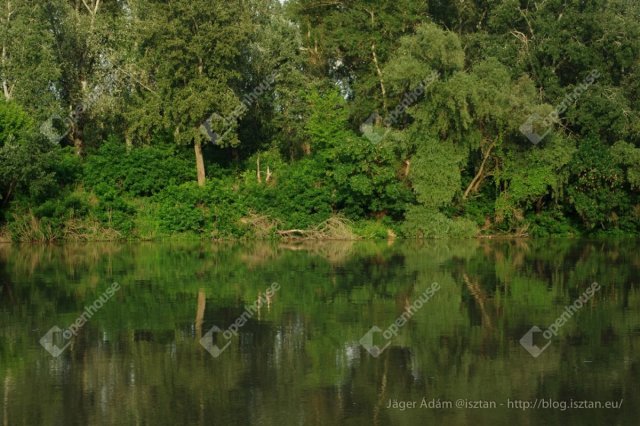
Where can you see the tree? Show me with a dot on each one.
(465, 130)
(603, 185)
(277, 63)
(350, 40)
(27, 58)
(28, 162)
(84, 45)
(190, 51)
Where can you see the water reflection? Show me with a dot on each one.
(298, 360)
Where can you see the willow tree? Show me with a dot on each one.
(351, 40)
(464, 132)
(27, 57)
(189, 51)
(85, 49)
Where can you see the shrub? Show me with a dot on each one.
(298, 195)
(143, 171)
(371, 229)
(422, 222)
(215, 209)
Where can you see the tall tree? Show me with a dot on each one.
(84, 34)
(27, 61)
(465, 130)
(190, 51)
(350, 40)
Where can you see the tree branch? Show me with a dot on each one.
(475, 183)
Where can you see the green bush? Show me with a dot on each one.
(422, 222)
(143, 171)
(365, 177)
(598, 189)
(213, 210)
(373, 230)
(551, 223)
(115, 212)
(298, 196)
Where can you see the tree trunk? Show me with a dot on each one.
(6, 90)
(375, 62)
(78, 141)
(202, 177)
(128, 141)
(258, 177)
(478, 178)
(380, 77)
(7, 389)
(202, 300)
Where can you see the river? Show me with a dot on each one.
(483, 332)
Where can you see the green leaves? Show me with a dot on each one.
(628, 156)
(27, 65)
(142, 172)
(15, 124)
(293, 84)
(429, 48)
(190, 49)
(435, 173)
(596, 188)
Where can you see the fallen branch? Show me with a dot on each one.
(334, 228)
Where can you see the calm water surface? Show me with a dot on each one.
(457, 312)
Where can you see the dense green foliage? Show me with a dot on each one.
(142, 118)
